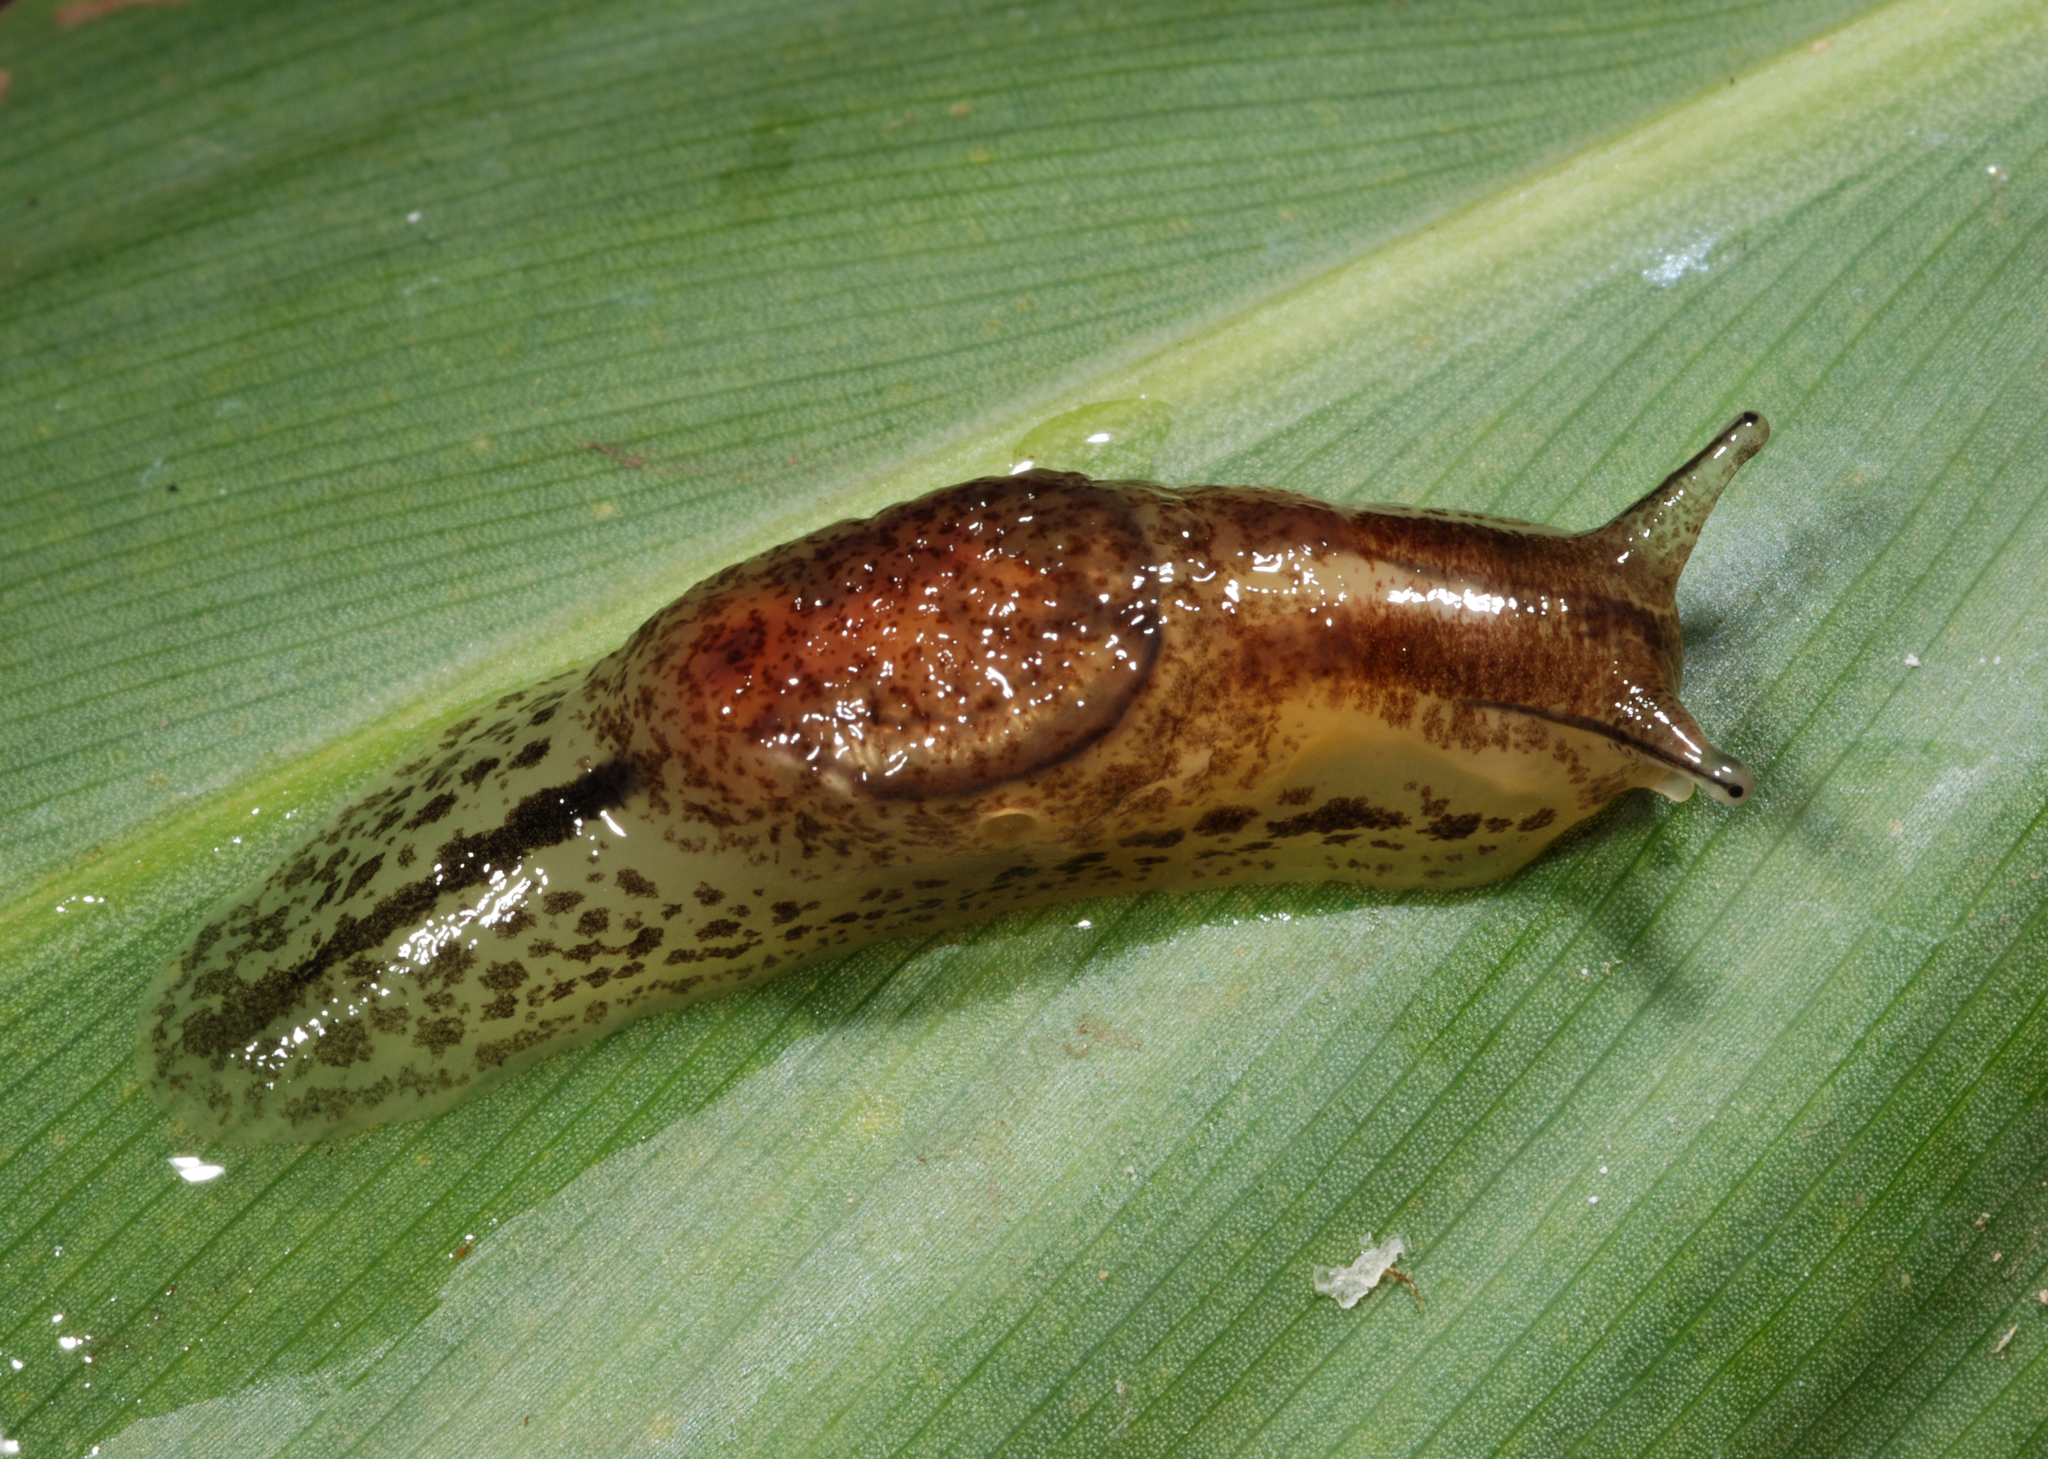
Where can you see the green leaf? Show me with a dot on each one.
(362, 362)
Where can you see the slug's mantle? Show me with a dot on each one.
(1005, 693)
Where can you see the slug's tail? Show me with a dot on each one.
(1654, 537)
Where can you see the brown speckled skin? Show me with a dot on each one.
(1008, 692)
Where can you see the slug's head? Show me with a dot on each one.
(1648, 546)
(1651, 542)
(1722, 776)
(948, 644)
(1726, 778)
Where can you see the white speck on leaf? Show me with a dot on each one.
(1348, 1283)
(1671, 267)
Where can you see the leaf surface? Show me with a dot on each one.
(467, 336)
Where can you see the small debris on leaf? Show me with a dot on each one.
(1349, 1283)
(85, 12)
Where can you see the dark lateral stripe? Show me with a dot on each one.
(546, 818)
(1595, 727)
(1643, 618)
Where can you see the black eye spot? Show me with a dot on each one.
(1735, 792)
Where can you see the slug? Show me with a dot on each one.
(1005, 693)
